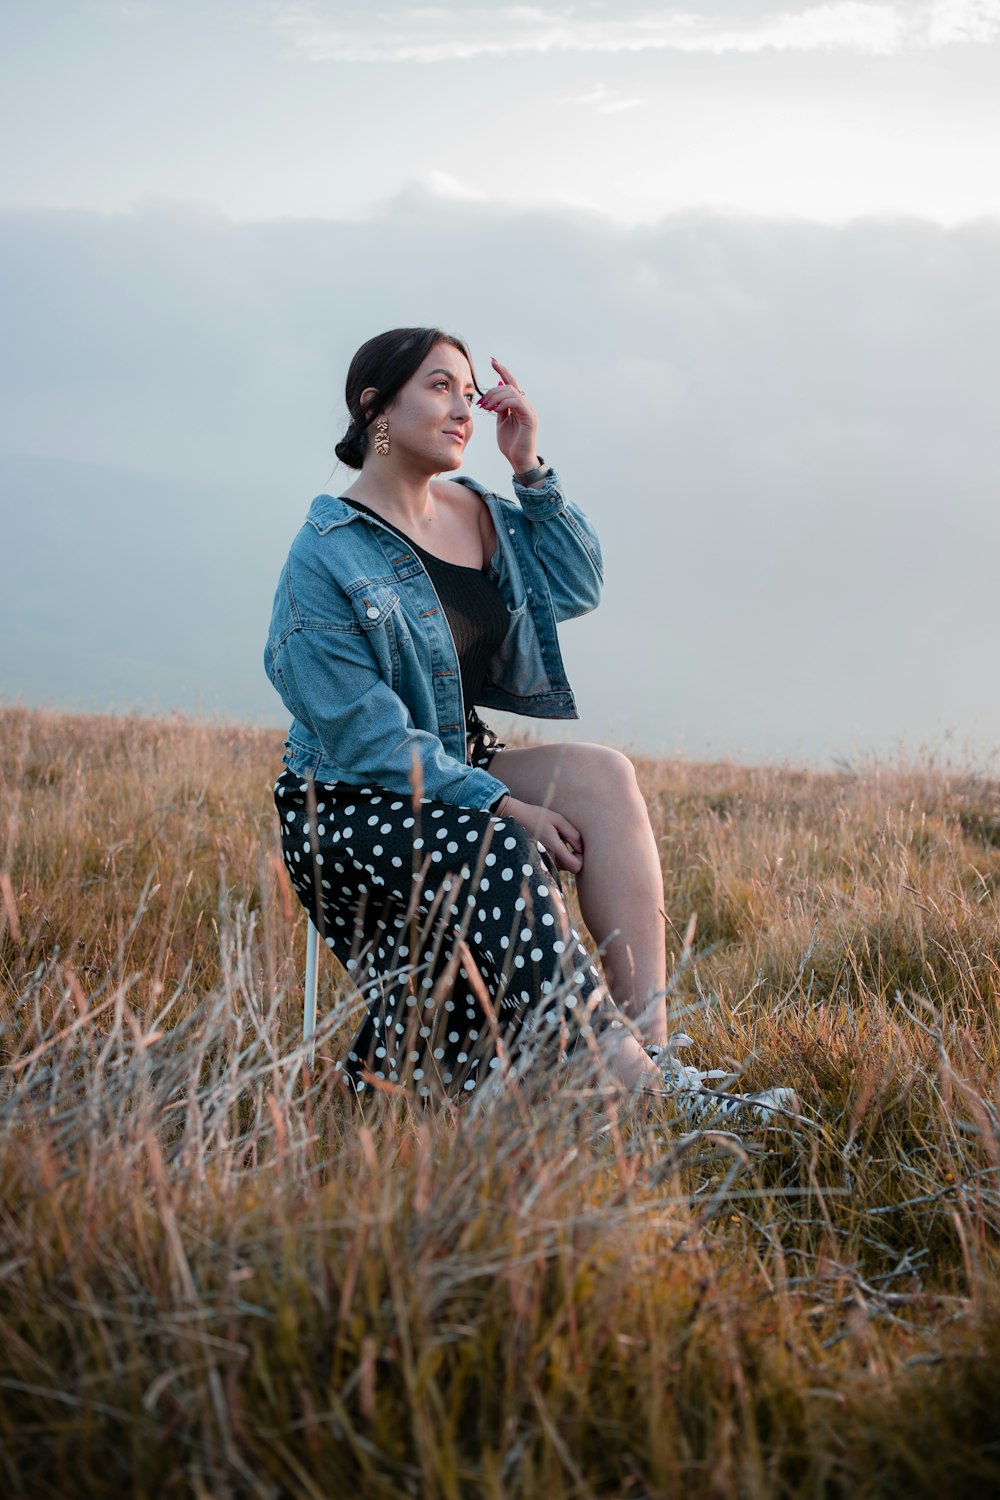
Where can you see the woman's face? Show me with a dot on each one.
(430, 420)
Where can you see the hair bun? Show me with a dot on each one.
(351, 449)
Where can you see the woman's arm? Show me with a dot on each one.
(566, 546)
(562, 539)
(326, 670)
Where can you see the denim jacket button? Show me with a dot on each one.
(372, 612)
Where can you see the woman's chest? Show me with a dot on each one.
(462, 531)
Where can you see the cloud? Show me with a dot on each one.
(785, 434)
(605, 103)
(879, 27)
(447, 185)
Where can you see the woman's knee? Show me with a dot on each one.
(600, 778)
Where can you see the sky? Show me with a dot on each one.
(744, 258)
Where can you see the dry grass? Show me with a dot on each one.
(219, 1278)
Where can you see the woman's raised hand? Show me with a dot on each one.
(517, 421)
(554, 832)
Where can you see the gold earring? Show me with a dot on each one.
(382, 434)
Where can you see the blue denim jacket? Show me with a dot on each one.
(364, 659)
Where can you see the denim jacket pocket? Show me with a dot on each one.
(378, 612)
(373, 603)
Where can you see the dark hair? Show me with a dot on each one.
(386, 363)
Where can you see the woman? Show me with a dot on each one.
(426, 852)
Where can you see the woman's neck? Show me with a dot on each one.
(400, 496)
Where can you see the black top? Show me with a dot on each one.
(472, 606)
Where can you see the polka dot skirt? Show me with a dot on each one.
(453, 925)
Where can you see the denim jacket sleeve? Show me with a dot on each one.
(327, 673)
(565, 545)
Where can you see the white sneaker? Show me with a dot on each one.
(703, 1096)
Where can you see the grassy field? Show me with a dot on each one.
(220, 1278)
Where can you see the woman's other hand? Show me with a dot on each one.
(517, 421)
(554, 832)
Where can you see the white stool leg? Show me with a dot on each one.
(312, 977)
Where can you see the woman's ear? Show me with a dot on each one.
(368, 395)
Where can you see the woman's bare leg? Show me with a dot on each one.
(620, 885)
